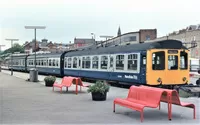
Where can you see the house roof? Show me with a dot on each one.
(83, 40)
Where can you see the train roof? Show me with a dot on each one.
(45, 55)
(164, 44)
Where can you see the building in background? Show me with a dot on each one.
(190, 37)
(131, 37)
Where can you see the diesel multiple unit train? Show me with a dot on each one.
(152, 63)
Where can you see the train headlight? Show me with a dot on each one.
(184, 79)
(159, 80)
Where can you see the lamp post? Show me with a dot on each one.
(12, 53)
(34, 73)
(94, 37)
(35, 27)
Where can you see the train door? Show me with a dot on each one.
(177, 67)
(111, 65)
(155, 72)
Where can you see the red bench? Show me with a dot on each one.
(173, 98)
(140, 97)
(67, 81)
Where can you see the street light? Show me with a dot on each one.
(94, 37)
(12, 53)
(35, 27)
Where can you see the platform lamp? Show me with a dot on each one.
(12, 53)
(34, 79)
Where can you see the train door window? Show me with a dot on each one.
(111, 62)
(83, 62)
(132, 61)
(87, 62)
(95, 62)
(120, 62)
(184, 60)
(75, 62)
(158, 60)
(144, 60)
(69, 62)
(104, 62)
(172, 62)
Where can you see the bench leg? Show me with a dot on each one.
(113, 107)
(194, 113)
(141, 116)
(53, 88)
(66, 89)
(61, 90)
(159, 105)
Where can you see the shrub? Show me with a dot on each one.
(49, 80)
(100, 87)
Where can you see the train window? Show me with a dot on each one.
(83, 62)
(69, 62)
(65, 62)
(75, 62)
(120, 62)
(184, 60)
(44, 62)
(49, 62)
(57, 62)
(158, 60)
(111, 62)
(54, 62)
(87, 62)
(95, 62)
(172, 62)
(132, 61)
(104, 62)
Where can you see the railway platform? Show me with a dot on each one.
(23, 102)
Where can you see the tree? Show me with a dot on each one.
(16, 48)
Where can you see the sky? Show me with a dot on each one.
(67, 19)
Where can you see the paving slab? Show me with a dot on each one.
(23, 102)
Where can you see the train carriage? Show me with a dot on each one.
(154, 63)
(46, 63)
(18, 62)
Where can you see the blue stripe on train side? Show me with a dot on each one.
(113, 76)
(47, 70)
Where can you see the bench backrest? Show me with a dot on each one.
(68, 81)
(174, 94)
(148, 95)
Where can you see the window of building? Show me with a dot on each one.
(172, 62)
(95, 62)
(132, 38)
(148, 37)
(120, 62)
(75, 62)
(158, 60)
(104, 62)
(44, 62)
(132, 61)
